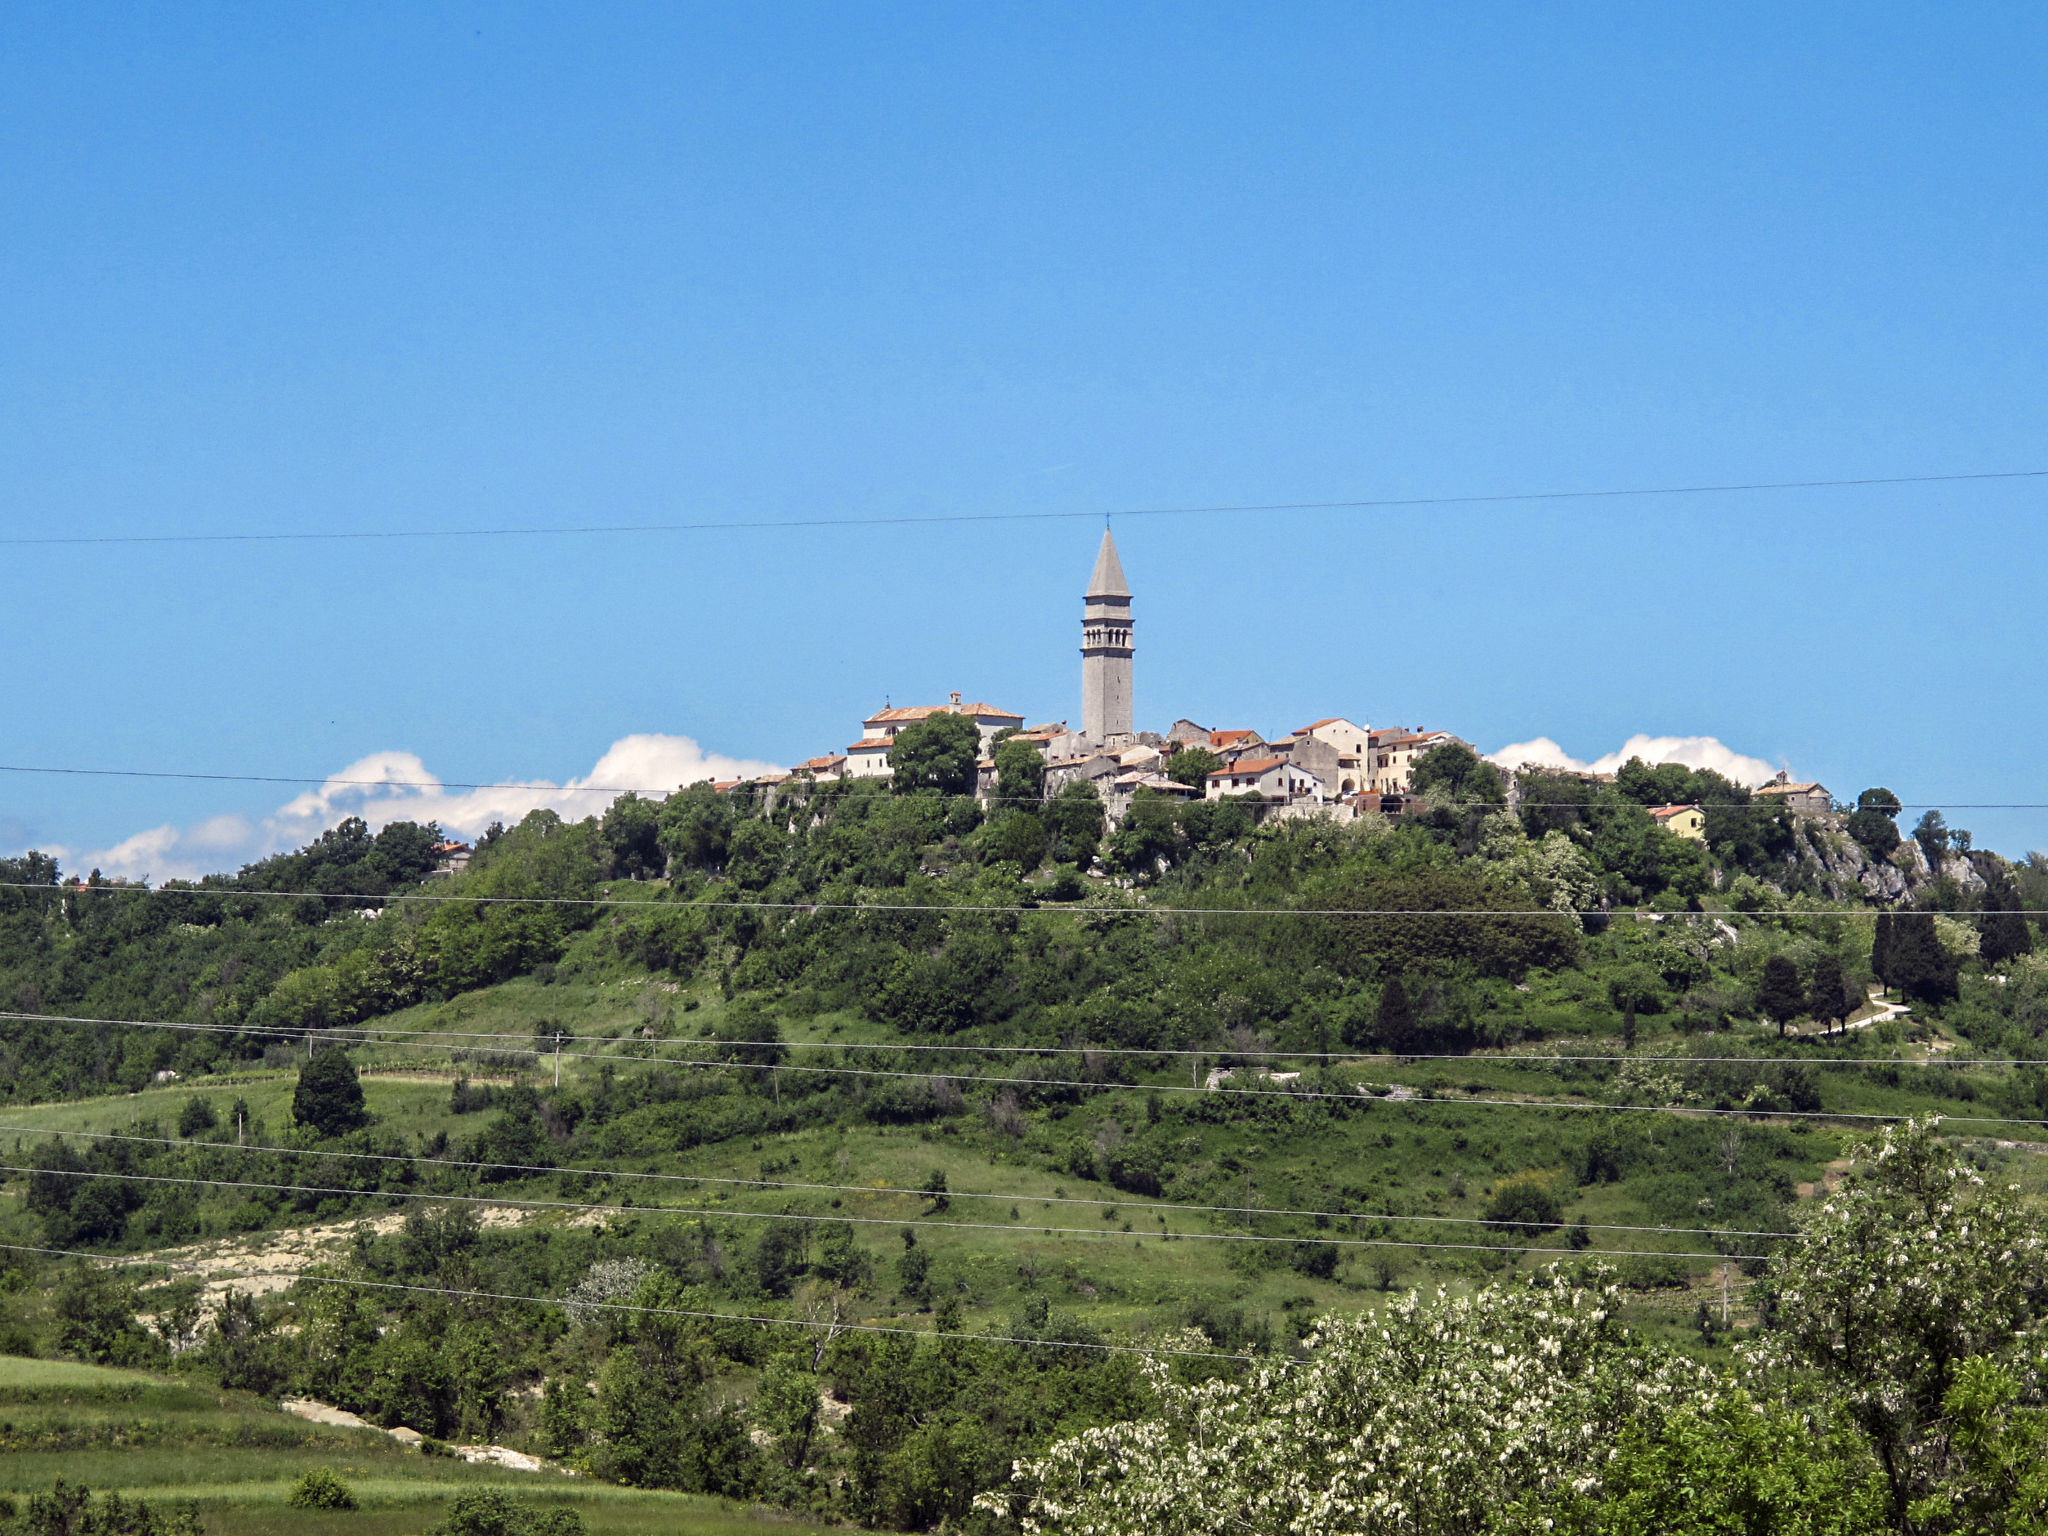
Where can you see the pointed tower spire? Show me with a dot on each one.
(1106, 651)
(1108, 580)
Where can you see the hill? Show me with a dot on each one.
(839, 1148)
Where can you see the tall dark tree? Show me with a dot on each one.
(1393, 1024)
(1781, 996)
(329, 1097)
(1917, 964)
(2004, 934)
(937, 753)
(1881, 949)
(1829, 999)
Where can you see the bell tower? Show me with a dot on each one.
(1106, 652)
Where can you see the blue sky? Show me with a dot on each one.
(378, 268)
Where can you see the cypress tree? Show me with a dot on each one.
(2004, 932)
(1881, 950)
(1394, 1023)
(1920, 967)
(1781, 997)
(1828, 1000)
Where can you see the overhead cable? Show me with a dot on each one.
(923, 519)
(535, 1044)
(1141, 1205)
(728, 1213)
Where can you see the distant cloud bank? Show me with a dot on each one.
(1692, 751)
(396, 786)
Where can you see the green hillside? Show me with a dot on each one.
(234, 1457)
(836, 1151)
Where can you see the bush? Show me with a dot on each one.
(321, 1489)
(196, 1116)
(487, 1512)
(1525, 1205)
(329, 1097)
(71, 1510)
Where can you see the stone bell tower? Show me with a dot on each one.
(1106, 652)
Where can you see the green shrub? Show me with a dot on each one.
(487, 1512)
(321, 1489)
(1529, 1207)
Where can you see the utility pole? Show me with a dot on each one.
(558, 1053)
(1724, 1295)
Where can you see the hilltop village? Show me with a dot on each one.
(1335, 767)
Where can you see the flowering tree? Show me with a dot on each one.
(1915, 1277)
(1427, 1418)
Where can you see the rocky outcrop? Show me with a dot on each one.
(1844, 869)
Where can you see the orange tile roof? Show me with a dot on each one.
(1318, 725)
(814, 764)
(1254, 766)
(1225, 738)
(911, 712)
(1666, 812)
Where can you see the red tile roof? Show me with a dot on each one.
(1252, 766)
(910, 712)
(1227, 738)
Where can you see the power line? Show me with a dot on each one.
(1357, 1098)
(332, 782)
(742, 526)
(1140, 1205)
(727, 1213)
(941, 909)
(831, 1326)
(534, 1044)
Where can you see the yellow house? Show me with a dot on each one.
(1681, 821)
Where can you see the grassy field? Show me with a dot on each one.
(168, 1439)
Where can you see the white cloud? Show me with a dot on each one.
(396, 786)
(1692, 751)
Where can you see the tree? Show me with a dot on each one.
(1916, 962)
(1931, 833)
(329, 1097)
(1875, 822)
(1015, 837)
(1460, 772)
(1074, 820)
(1393, 1022)
(1192, 765)
(1912, 1269)
(1020, 772)
(2004, 934)
(197, 1115)
(1831, 999)
(1781, 997)
(1426, 1416)
(1881, 949)
(632, 829)
(937, 753)
(696, 828)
